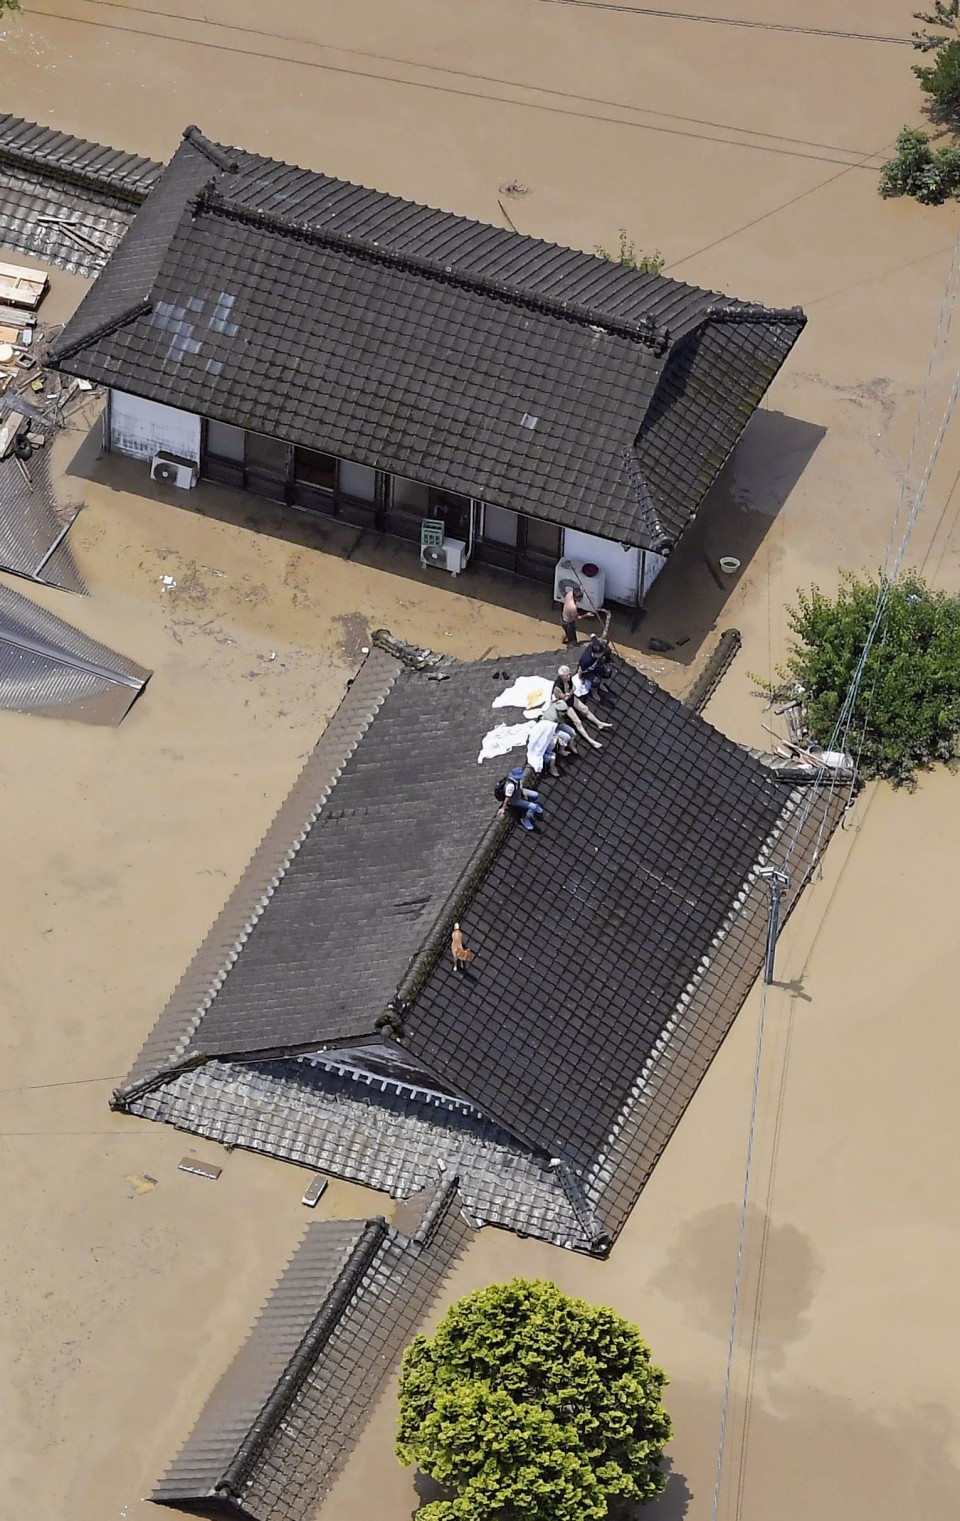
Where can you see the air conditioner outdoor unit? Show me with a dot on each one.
(588, 576)
(451, 555)
(174, 469)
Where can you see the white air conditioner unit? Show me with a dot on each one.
(174, 469)
(451, 555)
(587, 575)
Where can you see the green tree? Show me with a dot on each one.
(531, 1406)
(907, 713)
(8, 5)
(945, 13)
(942, 82)
(930, 175)
(646, 263)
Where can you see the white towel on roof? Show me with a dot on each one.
(503, 739)
(526, 692)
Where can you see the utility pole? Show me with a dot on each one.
(777, 882)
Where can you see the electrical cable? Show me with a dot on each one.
(827, 777)
(741, 1239)
(888, 580)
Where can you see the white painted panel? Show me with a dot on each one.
(620, 564)
(358, 481)
(500, 525)
(652, 566)
(139, 428)
(225, 441)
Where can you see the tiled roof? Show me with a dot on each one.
(613, 948)
(48, 667)
(66, 201)
(587, 934)
(414, 341)
(280, 1423)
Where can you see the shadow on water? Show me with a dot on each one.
(682, 607)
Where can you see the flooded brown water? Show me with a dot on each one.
(748, 155)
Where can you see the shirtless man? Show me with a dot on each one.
(571, 614)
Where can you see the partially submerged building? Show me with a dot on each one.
(322, 1020)
(278, 1426)
(345, 352)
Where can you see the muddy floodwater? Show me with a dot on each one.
(742, 141)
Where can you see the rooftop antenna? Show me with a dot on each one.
(777, 882)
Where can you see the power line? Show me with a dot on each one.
(761, 26)
(765, 216)
(444, 89)
(889, 575)
(75, 1082)
(741, 1237)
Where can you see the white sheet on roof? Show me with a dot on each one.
(504, 738)
(526, 692)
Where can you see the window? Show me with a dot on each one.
(358, 481)
(267, 456)
(541, 538)
(314, 468)
(225, 442)
(453, 510)
(500, 525)
(409, 494)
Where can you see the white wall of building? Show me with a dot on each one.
(652, 566)
(139, 428)
(620, 564)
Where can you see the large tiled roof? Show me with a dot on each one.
(414, 341)
(587, 935)
(65, 200)
(278, 1426)
(613, 947)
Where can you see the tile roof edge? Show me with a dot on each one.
(218, 156)
(755, 311)
(118, 184)
(297, 1370)
(212, 201)
(58, 352)
(177, 1026)
(622, 1141)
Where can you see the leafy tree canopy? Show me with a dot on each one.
(907, 713)
(531, 1406)
(945, 13)
(930, 175)
(942, 82)
(8, 5)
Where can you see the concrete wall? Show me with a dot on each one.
(620, 564)
(139, 428)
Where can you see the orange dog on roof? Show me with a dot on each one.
(461, 956)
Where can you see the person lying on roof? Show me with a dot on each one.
(517, 798)
(563, 691)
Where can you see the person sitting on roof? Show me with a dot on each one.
(553, 737)
(563, 691)
(595, 670)
(569, 725)
(514, 795)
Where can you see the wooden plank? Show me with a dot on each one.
(22, 287)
